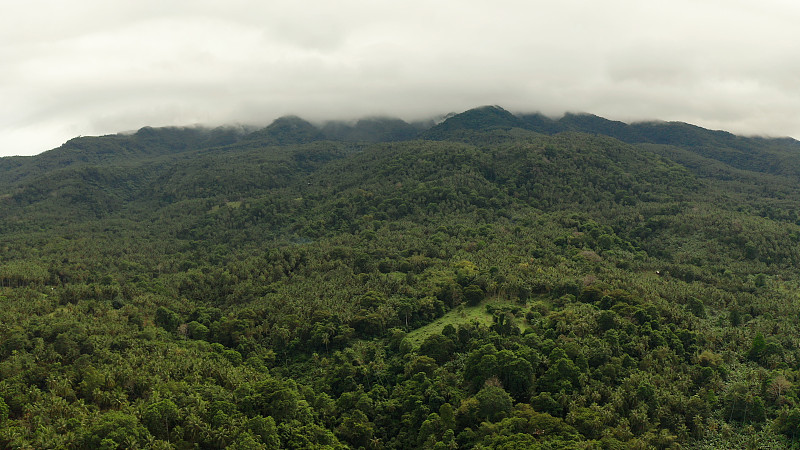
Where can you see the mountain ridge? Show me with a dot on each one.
(479, 118)
(494, 287)
(775, 156)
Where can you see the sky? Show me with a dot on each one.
(94, 67)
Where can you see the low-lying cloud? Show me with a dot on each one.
(80, 68)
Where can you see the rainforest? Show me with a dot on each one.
(488, 281)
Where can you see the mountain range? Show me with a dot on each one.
(487, 280)
(769, 155)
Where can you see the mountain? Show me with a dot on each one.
(375, 129)
(285, 131)
(490, 281)
(478, 119)
(541, 124)
(774, 156)
(116, 149)
(589, 123)
(766, 155)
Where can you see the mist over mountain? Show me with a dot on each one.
(771, 155)
(488, 280)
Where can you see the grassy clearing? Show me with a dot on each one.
(459, 315)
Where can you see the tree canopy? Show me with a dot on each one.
(494, 281)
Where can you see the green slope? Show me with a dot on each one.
(496, 285)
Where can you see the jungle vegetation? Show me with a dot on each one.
(492, 281)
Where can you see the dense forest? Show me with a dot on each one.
(491, 281)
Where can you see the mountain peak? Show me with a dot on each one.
(287, 130)
(481, 118)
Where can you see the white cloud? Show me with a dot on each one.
(92, 67)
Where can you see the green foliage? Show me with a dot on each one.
(266, 431)
(514, 283)
(473, 295)
(438, 347)
(696, 307)
(114, 430)
(494, 403)
(167, 319)
(160, 417)
(788, 423)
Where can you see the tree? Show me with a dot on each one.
(439, 347)
(494, 403)
(421, 364)
(473, 294)
(160, 417)
(741, 405)
(265, 429)
(788, 423)
(269, 397)
(115, 430)
(589, 421)
(696, 307)
(197, 330)
(480, 365)
(515, 373)
(167, 319)
(356, 429)
(562, 375)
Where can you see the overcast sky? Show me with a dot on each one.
(90, 67)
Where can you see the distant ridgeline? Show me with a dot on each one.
(489, 280)
(768, 155)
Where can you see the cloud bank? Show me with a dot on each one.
(89, 67)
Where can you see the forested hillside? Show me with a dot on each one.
(491, 281)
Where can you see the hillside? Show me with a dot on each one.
(490, 281)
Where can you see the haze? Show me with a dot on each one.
(92, 67)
